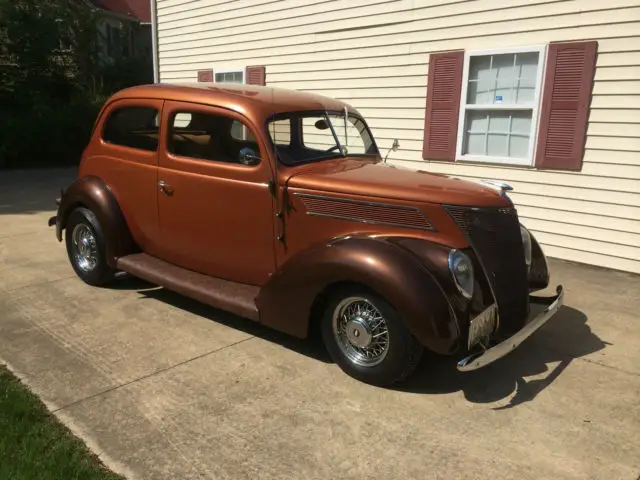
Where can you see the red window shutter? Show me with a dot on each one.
(205, 75)
(443, 104)
(256, 75)
(565, 105)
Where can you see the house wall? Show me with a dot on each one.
(374, 54)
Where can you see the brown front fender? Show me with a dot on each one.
(92, 193)
(286, 301)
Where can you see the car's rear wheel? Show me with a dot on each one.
(86, 247)
(367, 338)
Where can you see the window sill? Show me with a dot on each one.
(494, 161)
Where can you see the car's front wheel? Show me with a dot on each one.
(86, 247)
(367, 338)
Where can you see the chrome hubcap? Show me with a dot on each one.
(358, 333)
(85, 250)
(361, 331)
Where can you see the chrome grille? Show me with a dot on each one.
(494, 235)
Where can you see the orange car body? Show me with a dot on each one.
(267, 239)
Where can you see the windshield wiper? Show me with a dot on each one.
(346, 136)
(343, 150)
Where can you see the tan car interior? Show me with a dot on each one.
(195, 135)
(210, 137)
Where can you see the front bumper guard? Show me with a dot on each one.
(55, 220)
(490, 355)
(52, 220)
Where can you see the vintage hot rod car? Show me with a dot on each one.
(277, 206)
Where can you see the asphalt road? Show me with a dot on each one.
(162, 387)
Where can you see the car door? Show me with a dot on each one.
(215, 213)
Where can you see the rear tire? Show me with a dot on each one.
(366, 337)
(86, 248)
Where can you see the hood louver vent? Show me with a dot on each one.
(365, 212)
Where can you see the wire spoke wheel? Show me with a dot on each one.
(361, 331)
(85, 249)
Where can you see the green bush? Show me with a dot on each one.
(53, 80)
(47, 135)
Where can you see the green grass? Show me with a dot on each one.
(34, 445)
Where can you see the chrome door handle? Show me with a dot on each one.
(165, 187)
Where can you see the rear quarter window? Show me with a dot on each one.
(133, 127)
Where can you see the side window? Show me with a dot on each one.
(207, 136)
(280, 131)
(135, 127)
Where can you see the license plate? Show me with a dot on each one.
(483, 325)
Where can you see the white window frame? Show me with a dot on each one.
(244, 81)
(243, 71)
(528, 160)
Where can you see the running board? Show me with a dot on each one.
(233, 297)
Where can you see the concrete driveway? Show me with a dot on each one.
(162, 387)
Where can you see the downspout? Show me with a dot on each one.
(154, 41)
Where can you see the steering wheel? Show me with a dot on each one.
(335, 147)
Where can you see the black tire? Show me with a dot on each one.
(403, 351)
(100, 272)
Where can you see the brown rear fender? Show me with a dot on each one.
(286, 301)
(92, 193)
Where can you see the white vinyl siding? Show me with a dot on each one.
(374, 54)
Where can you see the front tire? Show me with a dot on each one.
(86, 248)
(366, 337)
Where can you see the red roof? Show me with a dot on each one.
(138, 9)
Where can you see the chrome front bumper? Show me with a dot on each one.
(490, 355)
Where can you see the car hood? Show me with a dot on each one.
(378, 179)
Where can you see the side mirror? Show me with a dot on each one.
(394, 148)
(249, 158)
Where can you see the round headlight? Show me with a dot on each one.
(526, 243)
(462, 271)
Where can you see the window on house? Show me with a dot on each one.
(132, 41)
(126, 43)
(499, 105)
(231, 76)
(109, 39)
(135, 127)
(64, 36)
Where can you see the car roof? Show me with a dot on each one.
(254, 101)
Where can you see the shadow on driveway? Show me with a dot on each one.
(32, 191)
(565, 338)
(311, 347)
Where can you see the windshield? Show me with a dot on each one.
(302, 137)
